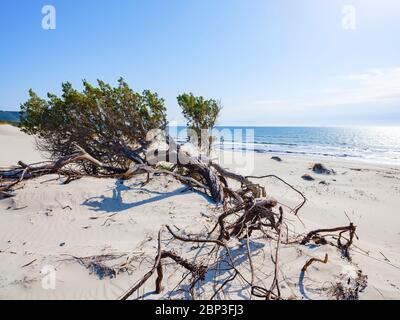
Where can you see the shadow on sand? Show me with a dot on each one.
(223, 272)
(115, 203)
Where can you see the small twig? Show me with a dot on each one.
(20, 208)
(309, 262)
(249, 255)
(194, 240)
(309, 236)
(28, 264)
(384, 257)
(109, 217)
(298, 207)
(223, 285)
(275, 282)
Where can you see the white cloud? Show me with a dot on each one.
(376, 86)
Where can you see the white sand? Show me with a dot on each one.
(47, 223)
(15, 146)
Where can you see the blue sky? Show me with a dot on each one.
(270, 62)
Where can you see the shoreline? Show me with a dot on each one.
(339, 160)
(290, 154)
(346, 162)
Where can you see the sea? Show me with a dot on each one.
(367, 144)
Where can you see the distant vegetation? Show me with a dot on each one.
(9, 117)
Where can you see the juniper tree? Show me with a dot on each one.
(108, 122)
(201, 116)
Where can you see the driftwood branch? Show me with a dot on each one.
(275, 281)
(312, 260)
(197, 271)
(351, 228)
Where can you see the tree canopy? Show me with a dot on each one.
(200, 114)
(102, 119)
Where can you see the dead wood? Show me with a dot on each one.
(197, 271)
(299, 206)
(344, 247)
(194, 240)
(312, 260)
(148, 274)
(224, 284)
(275, 281)
(351, 228)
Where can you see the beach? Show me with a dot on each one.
(51, 226)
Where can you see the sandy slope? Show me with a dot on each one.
(48, 224)
(16, 146)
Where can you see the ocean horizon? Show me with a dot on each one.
(361, 143)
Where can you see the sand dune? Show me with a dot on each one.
(50, 225)
(16, 146)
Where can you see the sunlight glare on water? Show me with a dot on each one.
(371, 144)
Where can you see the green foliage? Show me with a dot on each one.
(201, 114)
(101, 119)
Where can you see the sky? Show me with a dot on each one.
(269, 62)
